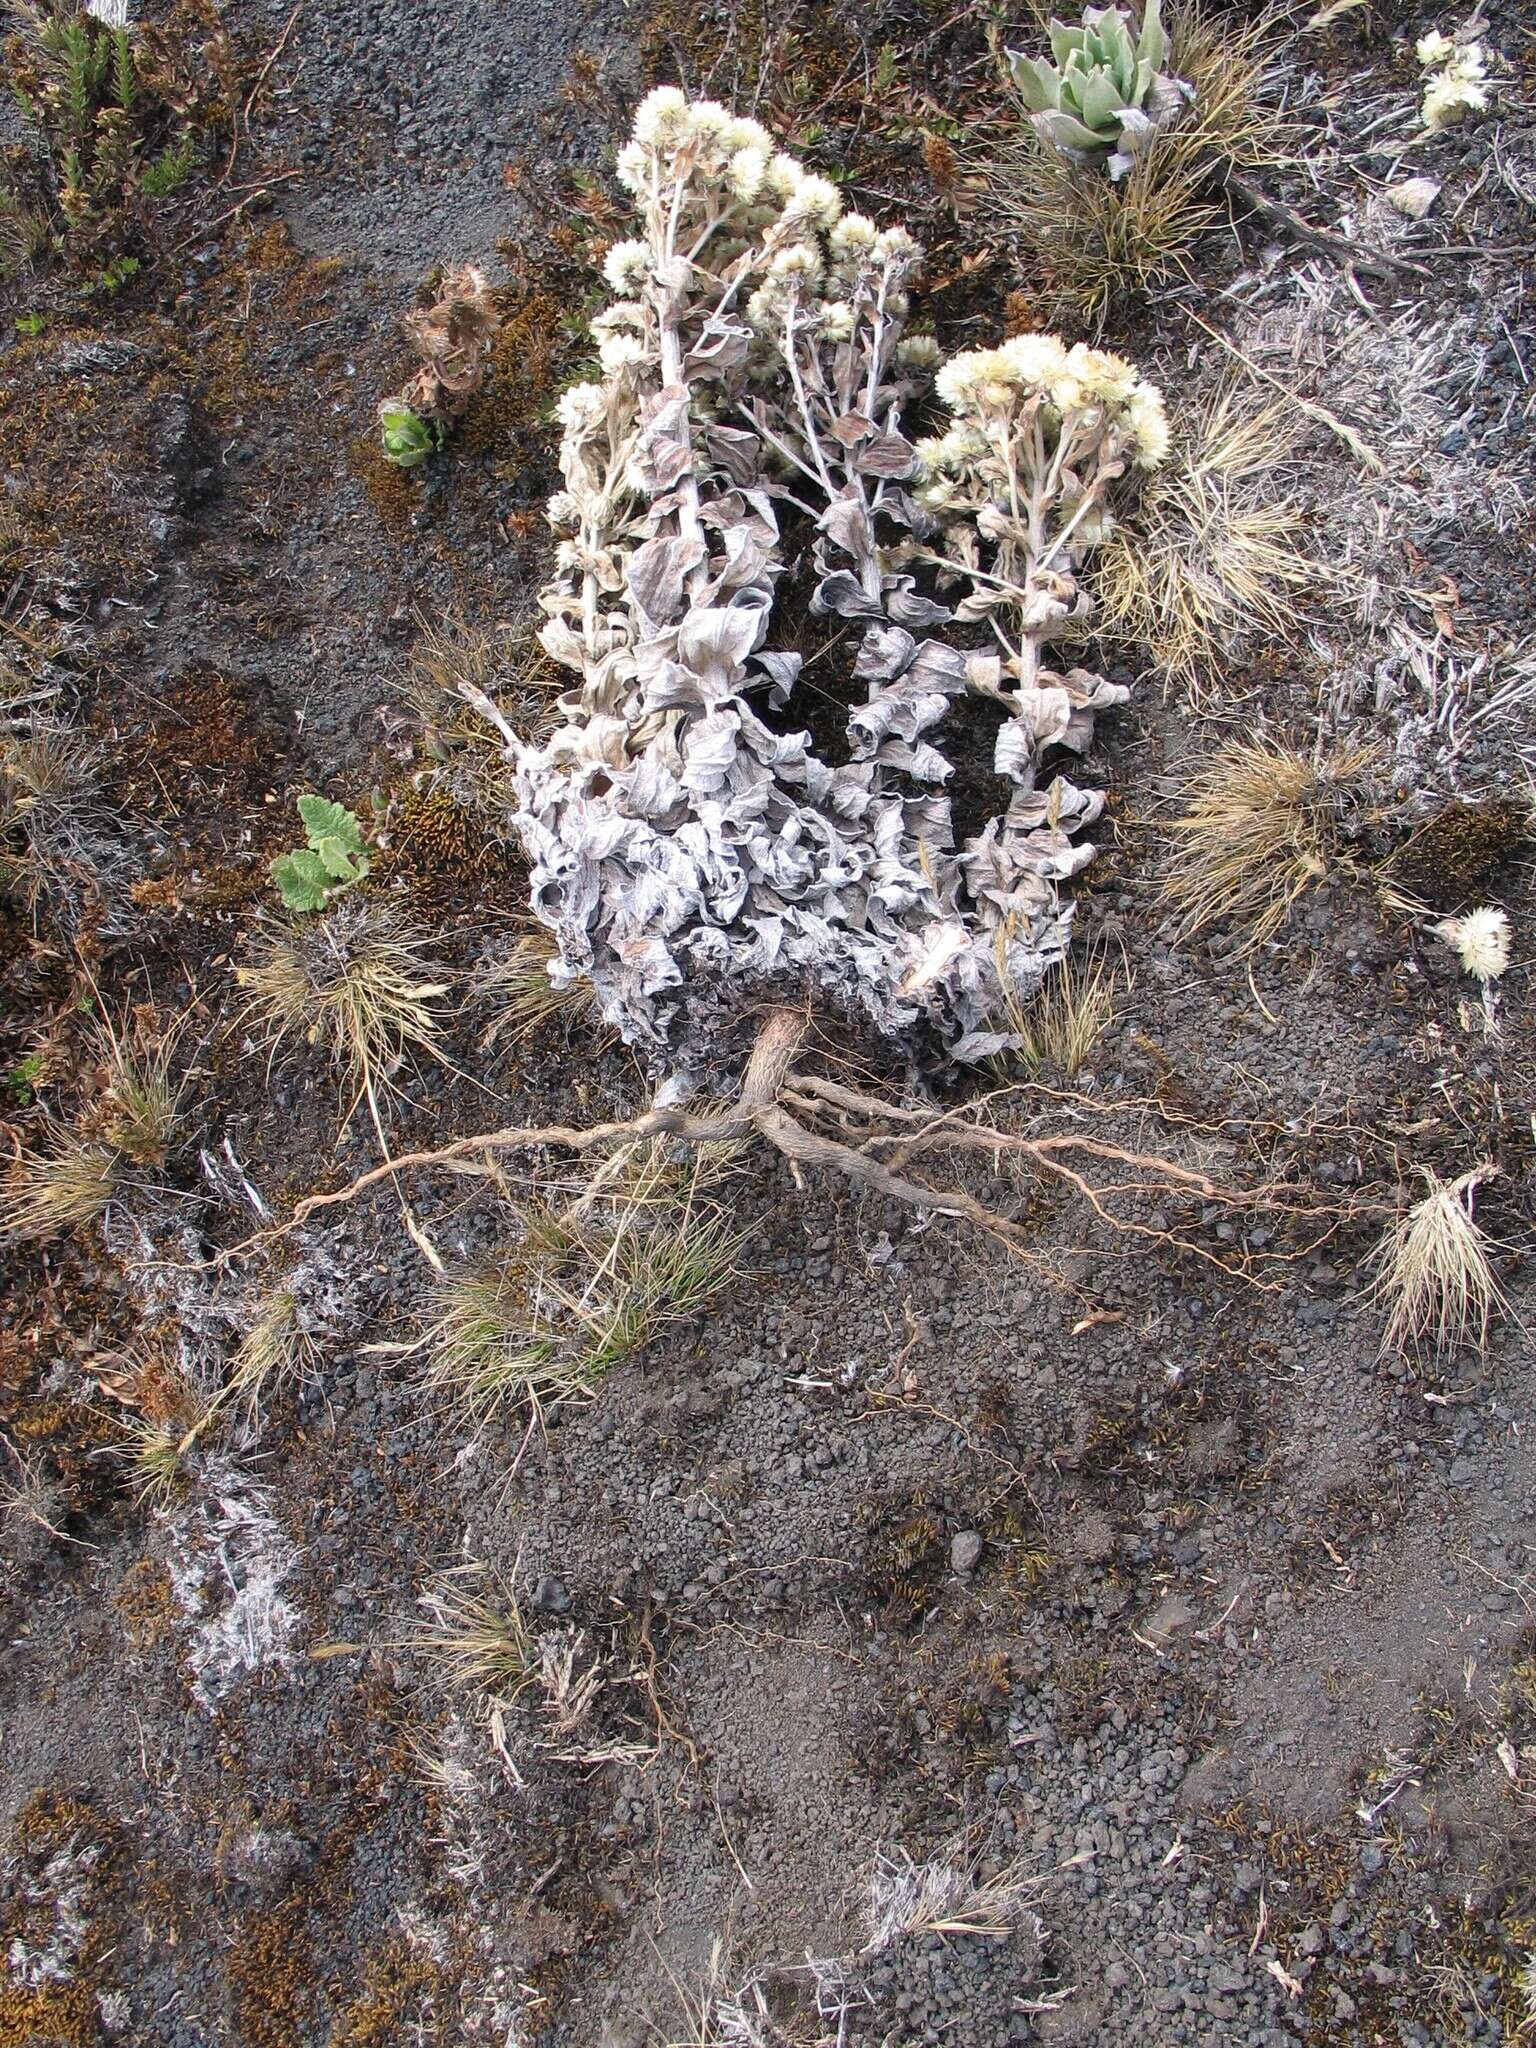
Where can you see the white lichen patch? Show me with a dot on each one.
(228, 1566)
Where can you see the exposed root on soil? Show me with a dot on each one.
(816, 1122)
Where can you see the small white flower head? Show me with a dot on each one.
(1468, 63)
(581, 407)
(633, 166)
(837, 321)
(930, 453)
(1102, 374)
(626, 267)
(1480, 940)
(618, 352)
(1035, 359)
(940, 496)
(1433, 48)
(709, 119)
(798, 264)
(568, 558)
(622, 317)
(746, 134)
(815, 202)
(1065, 391)
(1448, 100)
(853, 237)
(918, 352)
(746, 172)
(663, 118)
(961, 378)
(896, 246)
(783, 175)
(562, 512)
(1145, 416)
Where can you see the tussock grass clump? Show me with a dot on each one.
(275, 1353)
(154, 1453)
(1212, 557)
(1434, 1274)
(143, 1093)
(65, 1187)
(1062, 1027)
(524, 1001)
(480, 1645)
(1096, 239)
(1259, 826)
(472, 689)
(583, 1288)
(50, 784)
(355, 983)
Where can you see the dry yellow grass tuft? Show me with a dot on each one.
(1259, 826)
(524, 1001)
(1061, 1028)
(66, 1187)
(1210, 556)
(480, 1645)
(356, 983)
(1434, 1274)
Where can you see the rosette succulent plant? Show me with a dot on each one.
(1106, 93)
(407, 437)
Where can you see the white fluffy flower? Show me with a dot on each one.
(743, 133)
(562, 511)
(1102, 374)
(581, 407)
(961, 378)
(620, 352)
(663, 118)
(633, 166)
(798, 264)
(784, 173)
(1148, 423)
(1433, 48)
(625, 267)
(1480, 940)
(854, 235)
(708, 117)
(1449, 98)
(1035, 359)
(837, 321)
(747, 170)
(816, 200)
(895, 245)
(918, 352)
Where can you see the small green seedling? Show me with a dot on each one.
(335, 859)
(408, 438)
(20, 1082)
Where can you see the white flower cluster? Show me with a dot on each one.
(1455, 88)
(1089, 383)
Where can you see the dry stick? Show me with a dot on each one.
(1374, 262)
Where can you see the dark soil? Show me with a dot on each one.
(1158, 1579)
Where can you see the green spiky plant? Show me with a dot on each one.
(118, 116)
(1106, 93)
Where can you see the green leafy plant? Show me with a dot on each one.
(335, 858)
(1106, 93)
(408, 438)
(118, 118)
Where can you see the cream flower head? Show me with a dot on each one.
(663, 118)
(1480, 941)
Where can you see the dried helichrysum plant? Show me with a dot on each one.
(1454, 87)
(454, 337)
(1106, 93)
(691, 849)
